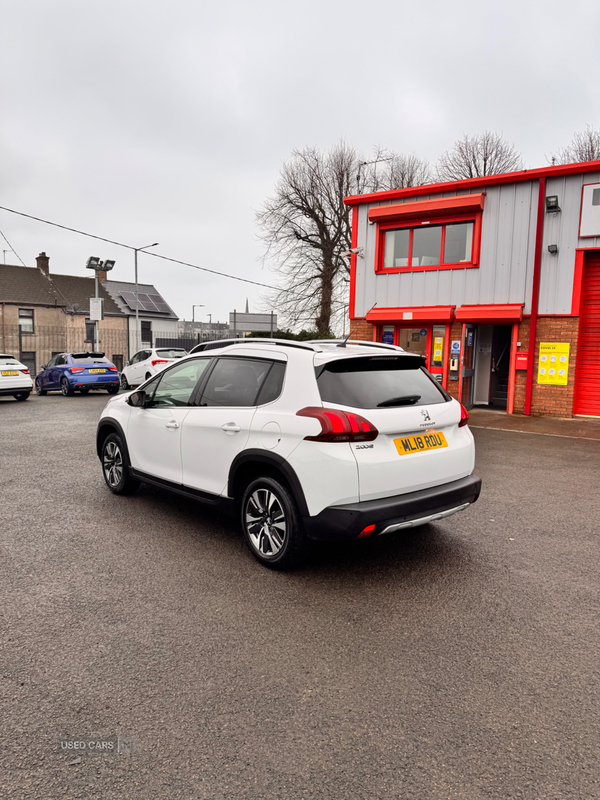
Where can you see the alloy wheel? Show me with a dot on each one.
(112, 464)
(265, 522)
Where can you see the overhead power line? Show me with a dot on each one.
(131, 247)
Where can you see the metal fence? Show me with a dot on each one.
(36, 348)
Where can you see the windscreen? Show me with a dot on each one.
(170, 353)
(378, 382)
(79, 359)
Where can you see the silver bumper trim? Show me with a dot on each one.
(413, 523)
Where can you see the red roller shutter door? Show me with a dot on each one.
(587, 387)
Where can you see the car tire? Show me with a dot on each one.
(38, 388)
(66, 388)
(85, 390)
(113, 389)
(115, 466)
(21, 395)
(124, 382)
(272, 525)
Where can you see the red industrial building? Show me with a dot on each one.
(495, 280)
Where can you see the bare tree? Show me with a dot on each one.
(476, 156)
(585, 146)
(306, 227)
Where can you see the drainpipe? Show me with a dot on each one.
(3, 328)
(535, 292)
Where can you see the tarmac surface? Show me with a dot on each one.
(461, 660)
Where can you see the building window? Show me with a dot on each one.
(451, 244)
(26, 320)
(146, 333)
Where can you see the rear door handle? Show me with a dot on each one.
(172, 424)
(230, 427)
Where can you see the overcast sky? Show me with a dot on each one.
(144, 121)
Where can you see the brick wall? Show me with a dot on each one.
(361, 329)
(549, 401)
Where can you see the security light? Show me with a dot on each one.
(552, 204)
(108, 265)
(92, 262)
(553, 249)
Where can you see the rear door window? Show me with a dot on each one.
(235, 382)
(379, 382)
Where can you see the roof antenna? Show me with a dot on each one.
(343, 344)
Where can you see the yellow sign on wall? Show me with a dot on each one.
(553, 366)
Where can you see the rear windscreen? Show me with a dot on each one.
(6, 361)
(170, 353)
(378, 382)
(90, 360)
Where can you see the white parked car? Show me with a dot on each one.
(302, 440)
(14, 378)
(147, 362)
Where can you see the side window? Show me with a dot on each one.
(234, 382)
(145, 355)
(60, 361)
(273, 384)
(52, 362)
(176, 385)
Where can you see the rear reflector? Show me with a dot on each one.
(464, 416)
(339, 426)
(366, 531)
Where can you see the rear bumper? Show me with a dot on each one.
(340, 523)
(94, 381)
(23, 387)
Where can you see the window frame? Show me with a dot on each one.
(415, 223)
(29, 311)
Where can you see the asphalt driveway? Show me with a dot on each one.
(461, 660)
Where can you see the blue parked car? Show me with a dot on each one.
(67, 372)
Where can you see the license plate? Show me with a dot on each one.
(9, 372)
(424, 441)
(96, 370)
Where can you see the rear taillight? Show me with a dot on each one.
(113, 369)
(24, 371)
(339, 426)
(74, 370)
(464, 416)
(159, 361)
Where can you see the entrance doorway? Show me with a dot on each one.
(492, 361)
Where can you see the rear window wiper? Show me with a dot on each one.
(406, 400)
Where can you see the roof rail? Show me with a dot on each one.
(217, 343)
(360, 342)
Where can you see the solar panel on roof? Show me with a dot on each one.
(129, 298)
(160, 303)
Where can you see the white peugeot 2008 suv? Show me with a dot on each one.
(302, 440)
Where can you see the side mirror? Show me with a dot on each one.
(44, 366)
(137, 399)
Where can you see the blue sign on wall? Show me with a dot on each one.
(423, 331)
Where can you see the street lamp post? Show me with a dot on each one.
(136, 250)
(98, 266)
